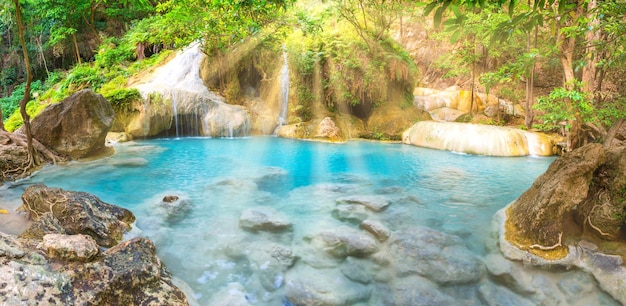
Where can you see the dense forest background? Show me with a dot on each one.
(564, 61)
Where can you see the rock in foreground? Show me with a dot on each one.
(59, 262)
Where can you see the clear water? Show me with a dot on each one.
(219, 178)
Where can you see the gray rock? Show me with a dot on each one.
(33, 284)
(372, 202)
(344, 241)
(413, 290)
(263, 218)
(128, 274)
(499, 296)
(377, 229)
(70, 247)
(350, 213)
(270, 262)
(77, 126)
(356, 271)
(509, 273)
(45, 224)
(440, 257)
(234, 294)
(308, 286)
(79, 213)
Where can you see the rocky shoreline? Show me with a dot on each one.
(73, 254)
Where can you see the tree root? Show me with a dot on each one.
(597, 229)
(540, 247)
(32, 162)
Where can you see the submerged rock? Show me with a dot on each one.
(412, 290)
(77, 126)
(345, 241)
(440, 257)
(495, 295)
(373, 202)
(78, 212)
(308, 286)
(263, 218)
(377, 229)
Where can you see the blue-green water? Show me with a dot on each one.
(219, 178)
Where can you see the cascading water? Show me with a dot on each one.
(284, 89)
(194, 109)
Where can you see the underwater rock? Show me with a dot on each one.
(345, 241)
(263, 218)
(412, 290)
(309, 286)
(373, 202)
(350, 213)
(271, 261)
(441, 257)
(69, 247)
(377, 229)
(234, 294)
(509, 273)
(77, 126)
(79, 213)
(493, 295)
(477, 139)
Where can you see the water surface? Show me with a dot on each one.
(219, 178)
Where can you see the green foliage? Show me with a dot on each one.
(120, 97)
(564, 105)
(339, 67)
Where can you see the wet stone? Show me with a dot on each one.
(372, 202)
(377, 229)
(263, 218)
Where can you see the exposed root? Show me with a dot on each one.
(547, 248)
(598, 230)
(538, 246)
(39, 148)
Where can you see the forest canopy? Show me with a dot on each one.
(567, 55)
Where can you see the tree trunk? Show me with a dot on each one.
(591, 38)
(32, 158)
(76, 48)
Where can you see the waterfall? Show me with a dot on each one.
(175, 116)
(284, 89)
(195, 111)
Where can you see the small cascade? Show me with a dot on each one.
(175, 116)
(477, 139)
(284, 90)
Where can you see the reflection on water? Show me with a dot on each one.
(445, 199)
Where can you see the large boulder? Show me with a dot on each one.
(557, 192)
(77, 126)
(77, 212)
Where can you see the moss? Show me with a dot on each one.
(512, 235)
